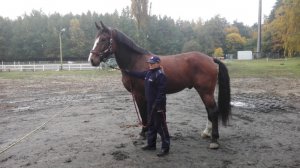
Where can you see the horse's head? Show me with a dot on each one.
(103, 46)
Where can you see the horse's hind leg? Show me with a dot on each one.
(212, 127)
(213, 117)
(207, 131)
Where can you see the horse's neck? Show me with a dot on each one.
(128, 55)
(126, 58)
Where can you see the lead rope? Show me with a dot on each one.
(133, 99)
(135, 106)
(33, 131)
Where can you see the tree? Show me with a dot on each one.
(231, 29)
(5, 38)
(292, 37)
(245, 31)
(51, 45)
(186, 28)
(234, 42)
(212, 34)
(139, 9)
(77, 38)
(164, 36)
(218, 52)
(191, 45)
(34, 36)
(283, 27)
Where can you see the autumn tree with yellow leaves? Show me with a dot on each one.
(282, 30)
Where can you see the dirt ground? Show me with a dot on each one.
(92, 123)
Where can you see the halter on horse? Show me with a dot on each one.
(186, 70)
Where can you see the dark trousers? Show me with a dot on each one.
(157, 124)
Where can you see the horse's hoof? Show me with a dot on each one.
(205, 135)
(214, 145)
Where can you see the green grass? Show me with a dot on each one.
(50, 74)
(261, 68)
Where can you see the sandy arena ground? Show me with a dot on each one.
(95, 125)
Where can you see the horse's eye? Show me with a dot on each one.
(102, 40)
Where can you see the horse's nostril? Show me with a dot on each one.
(92, 62)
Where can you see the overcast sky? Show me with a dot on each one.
(245, 11)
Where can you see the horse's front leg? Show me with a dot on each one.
(142, 106)
(139, 99)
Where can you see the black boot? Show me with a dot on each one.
(147, 147)
(163, 152)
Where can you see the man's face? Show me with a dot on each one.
(153, 66)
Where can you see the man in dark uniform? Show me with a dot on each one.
(155, 91)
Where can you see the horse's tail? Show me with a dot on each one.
(224, 92)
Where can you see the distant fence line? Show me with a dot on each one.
(46, 67)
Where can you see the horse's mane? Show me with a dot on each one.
(123, 38)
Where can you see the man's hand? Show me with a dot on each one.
(126, 71)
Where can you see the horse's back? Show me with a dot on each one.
(187, 70)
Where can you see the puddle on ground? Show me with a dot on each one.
(242, 104)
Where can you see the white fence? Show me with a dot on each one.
(47, 67)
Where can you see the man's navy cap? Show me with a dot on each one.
(153, 60)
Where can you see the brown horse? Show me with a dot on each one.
(186, 70)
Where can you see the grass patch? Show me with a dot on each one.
(60, 74)
(262, 68)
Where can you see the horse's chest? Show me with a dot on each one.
(132, 84)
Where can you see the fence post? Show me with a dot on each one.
(43, 67)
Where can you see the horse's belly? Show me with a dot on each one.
(174, 88)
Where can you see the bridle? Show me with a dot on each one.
(107, 52)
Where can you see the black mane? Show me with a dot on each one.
(124, 39)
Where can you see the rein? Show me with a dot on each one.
(135, 106)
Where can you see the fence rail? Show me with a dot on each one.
(47, 67)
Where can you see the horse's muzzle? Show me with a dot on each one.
(94, 60)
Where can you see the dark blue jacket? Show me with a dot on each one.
(155, 87)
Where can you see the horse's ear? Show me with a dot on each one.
(104, 27)
(98, 27)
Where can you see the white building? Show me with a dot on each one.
(244, 55)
